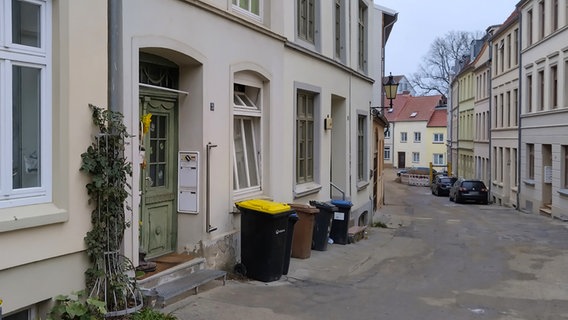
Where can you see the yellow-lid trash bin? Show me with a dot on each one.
(265, 232)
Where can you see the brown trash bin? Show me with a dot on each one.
(303, 231)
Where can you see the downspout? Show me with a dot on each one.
(449, 137)
(490, 84)
(114, 55)
(383, 89)
(350, 111)
(519, 110)
(458, 132)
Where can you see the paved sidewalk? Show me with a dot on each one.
(336, 263)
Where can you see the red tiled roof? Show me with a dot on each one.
(414, 108)
(439, 118)
(398, 104)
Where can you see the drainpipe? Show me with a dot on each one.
(458, 132)
(383, 49)
(490, 83)
(519, 108)
(114, 55)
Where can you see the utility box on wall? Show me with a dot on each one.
(188, 182)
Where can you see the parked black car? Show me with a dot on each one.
(468, 190)
(442, 184)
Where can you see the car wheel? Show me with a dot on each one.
(450, 197)
(458, 199)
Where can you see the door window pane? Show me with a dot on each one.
(158, 150)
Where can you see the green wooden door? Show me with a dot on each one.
(158, 174)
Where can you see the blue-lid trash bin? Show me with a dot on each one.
(340, 223)
(322, 224)
(264, 234)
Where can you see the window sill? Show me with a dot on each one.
(302, 190)
(362, 185)
(563, 192)
(24, 217)
(529, 182)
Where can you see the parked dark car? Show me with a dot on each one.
(468, 190)
(401, 171)
(442, 184)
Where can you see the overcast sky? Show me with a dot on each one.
(421, 21)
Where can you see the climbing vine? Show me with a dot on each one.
(108, 189)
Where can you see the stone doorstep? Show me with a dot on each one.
(175, 283)
(172, 291)
(356, 233)
(172, 273)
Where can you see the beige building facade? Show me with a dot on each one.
(505, 112)
(544, 107)
(274, 106)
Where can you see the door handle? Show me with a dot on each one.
(149, 182)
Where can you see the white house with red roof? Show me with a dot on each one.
(412, 128)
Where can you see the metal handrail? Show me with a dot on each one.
(338, 189)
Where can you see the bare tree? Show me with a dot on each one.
(434, 73)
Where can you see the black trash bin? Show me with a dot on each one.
(322, 224)
(292, 219)
(340, 224)
(264, 233)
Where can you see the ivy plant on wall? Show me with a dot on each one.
(107, 278)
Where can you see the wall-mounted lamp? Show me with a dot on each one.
(390, 88)
(328, 123)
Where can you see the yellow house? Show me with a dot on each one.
(436, 133)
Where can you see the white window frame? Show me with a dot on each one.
(362, 23)
(438, 138)
(247, 11)
(387, 153)
(417, 136)
(12, 54)
(403, 137)
(246, 109)
(362, 150)
(438, 159)
(311, 37)
(339, 30)
(564, 167)
(303, 187)
(415, 157)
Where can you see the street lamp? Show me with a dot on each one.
(390, 89)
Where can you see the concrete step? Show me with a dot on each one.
(546, 211)
(177, 283)
(356, 233)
